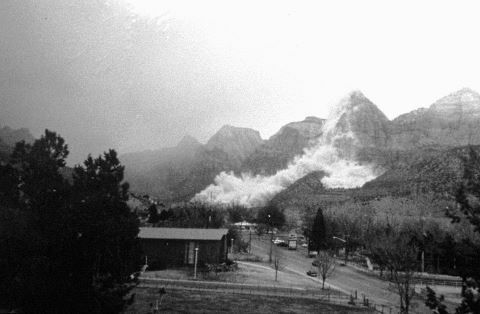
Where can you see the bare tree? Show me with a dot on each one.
(326, 265)
(278, 262)
(399, 255)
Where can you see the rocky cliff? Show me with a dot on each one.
(237, 143)
(358, 129)
(280, 149)
(453, 120)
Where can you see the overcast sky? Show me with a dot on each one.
(135, 75)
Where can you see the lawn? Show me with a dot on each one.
(250, 273)
(176, 301)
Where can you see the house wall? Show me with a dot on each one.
(163, 253)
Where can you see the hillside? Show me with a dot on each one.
(178, 173)
(280, 149)
(419, 172)
(237, 143)
(415, 151)
(8, 138)
(453, 120)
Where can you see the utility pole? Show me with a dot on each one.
(423, 261)
(195, 268)
(250, 241)
(270, 229)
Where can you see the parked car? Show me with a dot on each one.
(283, 243)
(305, 245)
(277, 241)
(312, 273)
(312, 254)
(315, 263)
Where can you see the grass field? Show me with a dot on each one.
(176, 301)
(260, 275)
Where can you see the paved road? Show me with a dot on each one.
(345, 278)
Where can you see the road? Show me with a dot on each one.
(345, 278)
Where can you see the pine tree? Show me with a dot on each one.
(318, 235)
(64, 248)
(106, 233)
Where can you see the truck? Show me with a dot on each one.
(292, 243)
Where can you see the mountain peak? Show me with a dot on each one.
(351, 101)
(235, 141)
(465, 100)
(356, 94)
(356, 115)
(463, 95)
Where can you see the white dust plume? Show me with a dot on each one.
(256, 190)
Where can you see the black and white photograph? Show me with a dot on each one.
(182, 156)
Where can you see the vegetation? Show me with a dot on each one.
(65, 246)
(278, 261)
(326, 265)
(196, 215)
(271, 217)
(468, 199)
(396, 252)
(268, 218)
(318, 233)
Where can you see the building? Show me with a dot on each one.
(167, 247)
(245, 225)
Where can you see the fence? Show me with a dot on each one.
(428, 280)
(326, 295)
(364, 301)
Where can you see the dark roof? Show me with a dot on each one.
(181, 233)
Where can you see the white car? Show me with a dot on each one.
(277, 241)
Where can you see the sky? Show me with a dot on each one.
(140, 74)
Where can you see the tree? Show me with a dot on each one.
(350, 224)
(65, 248)
(325, 265)
(196, 215)
(278, 262)
(164, 215)
(271, 217)
(153, 216)
(468, 199)
(398, 253)
(236, 236)
(318, 234)
(38, 206)
(106, 232)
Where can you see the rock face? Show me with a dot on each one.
(358, 128)
(453, 120)
(178, 173)
(237, 142)
(280, 149)
(357, 123)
